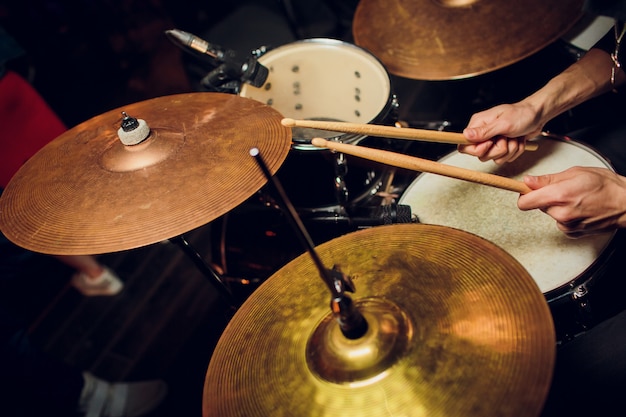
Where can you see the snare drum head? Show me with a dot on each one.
(531, 237)
(323, 79)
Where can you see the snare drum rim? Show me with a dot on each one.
(386, 115)
(591, 271)
(594, 270)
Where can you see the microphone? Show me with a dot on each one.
(388, 214)
(231, 66)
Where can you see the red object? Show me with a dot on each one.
(27, 124)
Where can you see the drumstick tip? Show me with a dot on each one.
(288, 122)
(319, 142)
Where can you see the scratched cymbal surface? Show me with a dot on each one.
(452, 39)
(467, 333)
(88, 193)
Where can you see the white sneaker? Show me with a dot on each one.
(106, 284)
(131, 399)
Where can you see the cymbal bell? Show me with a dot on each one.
(456, 327)
(87, 192)
(453, 39)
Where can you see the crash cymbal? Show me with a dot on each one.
(450, 39)
(86, 192)
(456, 327)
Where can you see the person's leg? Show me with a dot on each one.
(92, 278)
(85, 263)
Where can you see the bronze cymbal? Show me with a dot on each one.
(457, 327)
(88, 193)
(452, 39)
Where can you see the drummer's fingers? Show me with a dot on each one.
(476, 134)
(487, 125)
(578, 228)
(575, 224)
(570, 232)
(538, 199)
(539, 181)
(503, 150)
(479, 150)
(509, 150)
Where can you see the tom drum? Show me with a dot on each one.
(327, 79)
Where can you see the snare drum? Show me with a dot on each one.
(326, 79)
(563, 268)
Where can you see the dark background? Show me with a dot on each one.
(87, 57)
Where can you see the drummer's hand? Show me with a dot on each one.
(583, 201)
(501, 132)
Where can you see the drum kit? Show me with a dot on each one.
(449, 315)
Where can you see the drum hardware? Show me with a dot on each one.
(349, 319)
(423, 42)
(435, 323)
(207, 270)
(424, 165)
(439, 125)
(580, 297)
(341, 188)
(368, 217)
(437, 136)
(231, 70)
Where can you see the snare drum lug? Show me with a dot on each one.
(584, 309)
(395, 103)
(580, 292)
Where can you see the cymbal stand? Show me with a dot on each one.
(206, 269)
(351, 322)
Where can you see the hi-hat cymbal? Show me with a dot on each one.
(87, 193)
(457, 327)
(450, 39)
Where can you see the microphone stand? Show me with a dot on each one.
(351, 322)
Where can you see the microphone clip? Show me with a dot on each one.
(232, 72)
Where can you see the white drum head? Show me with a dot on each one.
(323, 79)
(531, 237)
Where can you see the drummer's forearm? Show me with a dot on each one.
(587, 78)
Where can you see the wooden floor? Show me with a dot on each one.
(163, 324)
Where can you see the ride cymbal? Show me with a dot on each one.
(87, 193)
(450, 39)
(456, 327)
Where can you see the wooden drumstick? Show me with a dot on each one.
(389, 132)
(424, 165)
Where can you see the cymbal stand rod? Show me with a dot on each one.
(350, 320)
(205, 268)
